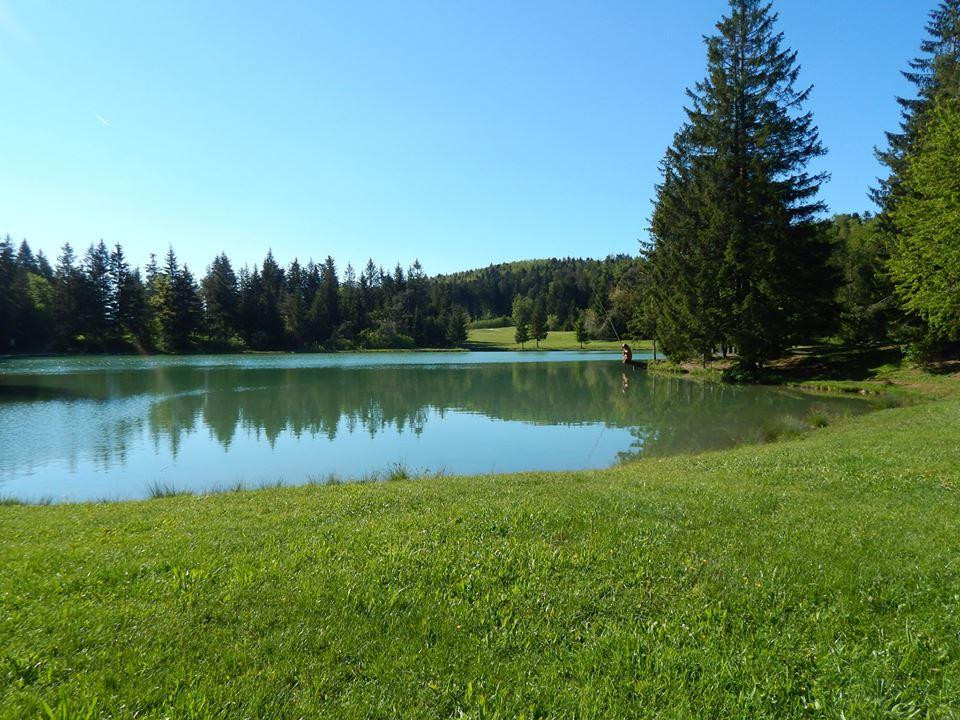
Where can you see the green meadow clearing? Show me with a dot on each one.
(817, 576)
(502, 339)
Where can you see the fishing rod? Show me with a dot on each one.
(610, 320)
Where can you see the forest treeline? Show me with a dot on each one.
(98, 302)
(740, 261)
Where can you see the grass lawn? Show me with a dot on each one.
(814, 577)
(502, 339)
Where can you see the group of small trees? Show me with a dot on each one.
(529, 319)
(739, 261)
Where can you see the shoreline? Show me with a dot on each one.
(887, 395)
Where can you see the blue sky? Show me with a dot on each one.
(460, 133)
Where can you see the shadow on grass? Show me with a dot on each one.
(836, 362)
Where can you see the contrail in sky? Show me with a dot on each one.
(100, 118)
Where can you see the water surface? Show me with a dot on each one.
(95, 427)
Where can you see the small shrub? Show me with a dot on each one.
(397, 471)
(158, 490)
(818, 419)
(783, 428)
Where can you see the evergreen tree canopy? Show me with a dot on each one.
(538, 323)
(221, 298)
(580, 330)
(925, 263)
(457, 327)
(737, 258)
(935, 73)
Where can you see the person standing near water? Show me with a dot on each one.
(627, 355)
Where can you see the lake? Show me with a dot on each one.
(95, 427)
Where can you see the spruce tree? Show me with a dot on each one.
(294, 306)
(133, 311)
(221, 299)
(119, 274)
(97, 311)
(26, 259)
(737, 258)
(68, 297)
(187, 309)
(175, 303)
(935, 73)
(457, 331)
(331, 294)
(271, 296)
(10, 302)
(521, 334)
(43, 266)
(538, 324)
(925, 263)
(250, 290)
(580, 329)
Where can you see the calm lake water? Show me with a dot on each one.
(111, 427)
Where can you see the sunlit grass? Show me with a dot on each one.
(502, 339)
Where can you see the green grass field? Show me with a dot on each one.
(817, 577)
(502, 339)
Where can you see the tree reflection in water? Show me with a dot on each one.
(665, 415)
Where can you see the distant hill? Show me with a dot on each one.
(565, 285)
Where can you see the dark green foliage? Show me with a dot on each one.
(26, 260)
(565, 286)
(580, 329)
(737, 259)
(538, 323)
(457, 327)
(221, 298)
(175, 304)
(919, 204)
(522, 333)
(129, 300)
(103, 304)
(98, 308)
(330, 289)
(10, 296)
(935, 73)
(868, 310)
(270, 331)
(69, 298)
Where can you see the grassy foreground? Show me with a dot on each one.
(817, 577)
(502, 339)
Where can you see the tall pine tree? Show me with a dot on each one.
(221, 298)
(737, 258)
(935, 73)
